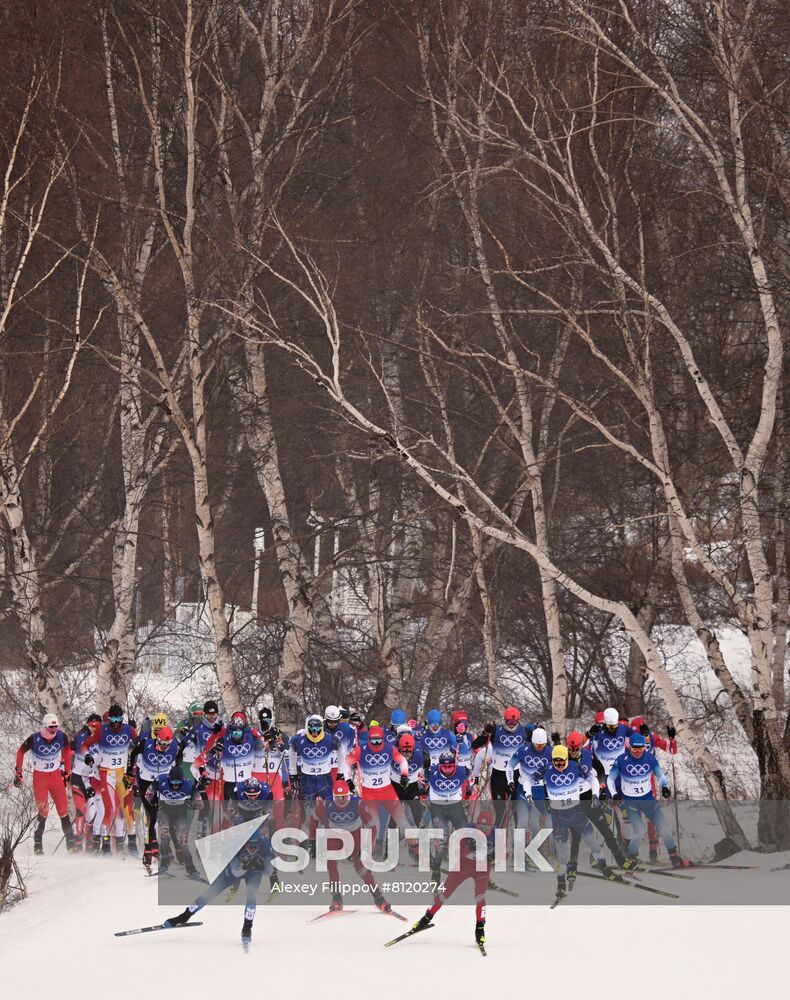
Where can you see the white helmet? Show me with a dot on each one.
(332, 713)
(539, 736)
(610, 717)
(50, 719)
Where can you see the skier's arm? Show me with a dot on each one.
(661, 778)
(483, 754)
(399, 759)
(200, 760)
(20, 754)
(510, 767)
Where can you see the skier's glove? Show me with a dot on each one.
(594, 729)
(556, 738)
(66, 776)
(351, 786)
(671, 732)
(404, 781)
(89, 792)
(295, 779)
(511, 790)
(203, 782)
(88, 759)
(644, 729)
(665, 793)
(489, 729)
(217, 727)
(17, 779)
(128, 781)
(618, 797)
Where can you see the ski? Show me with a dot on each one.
(558, 899)
(669, 872)
(482, 948)
(498, 888)
(619, 880)
(392, 913)
(331, 913)
(402, 937)
(734, 868)
(158, 927)
(245, 943)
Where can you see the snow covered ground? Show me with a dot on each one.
(61, 939)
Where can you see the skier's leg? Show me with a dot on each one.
(636, 819)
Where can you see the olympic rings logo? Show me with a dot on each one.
(637, 770)
(563, 778)
(611, 743)
(116, 741)
(376, 759)
(240, 750)
(533, 763)
(342, 817)
(510, 741)
(47, 749)
(311, 752)
(158, 759)
(444, 785)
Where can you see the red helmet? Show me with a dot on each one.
(460, 716)
(599, 718)
(485, 821)
(406, 741)
(165, 735)
(511, 715)
(637, 722)
(575, 740)
(340, 789)
(375, 735)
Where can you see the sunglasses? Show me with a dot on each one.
(115, 719)
(210, 715)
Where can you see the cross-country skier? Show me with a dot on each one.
(630, 780)
(113, 742)
(583, 756)
(409, 794)
(51, 756)
(496, 744)
(437, 738)
(525, 785)
(171, 795)
(467, 870)
(448, 785)
(312, 763)
(344, 811)
(81, 789)
(563, 780)
(463, 737)
(150, 757)
(250, 864)
(270, 764)
(653, 741)
(375, 760)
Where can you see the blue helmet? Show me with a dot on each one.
(398, 718)
(637, 741)
(434, 717)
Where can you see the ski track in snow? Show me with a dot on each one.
(61, 937)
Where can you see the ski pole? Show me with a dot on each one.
(59, 843)
(675, 796)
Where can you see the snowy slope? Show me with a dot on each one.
(61, 938)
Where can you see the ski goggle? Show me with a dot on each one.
(559, 762)
(236, 734)
(116, 720)
(342, 800)
(52, 727)
(211, 715)
(176, 783)
(198, 713)
(638, 751)
(314, 728)
(434, 726)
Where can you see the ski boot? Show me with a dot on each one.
(132, 846)
(106, 846)
(246, 932)
(150, 852)
(424, 921)
(630, 864)
(38, 836)
(653, 854)
(275, 885)
(562, 887)
(606, 871)
(93, 846)
(571, 875)
(179, 919)
(38, 847)
(677, 861)
(337, 903)
(382, 903)
(480, 934)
